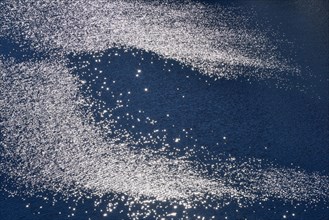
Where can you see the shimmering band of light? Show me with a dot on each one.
(44, 131)
(49, 142)
(211, 39)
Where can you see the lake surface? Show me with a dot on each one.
(176, 110)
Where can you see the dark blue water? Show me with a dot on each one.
(245, 118)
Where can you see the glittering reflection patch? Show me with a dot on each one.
(215, 40)
(51, 141)
(66, 125)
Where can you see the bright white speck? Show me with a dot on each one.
(172, 214)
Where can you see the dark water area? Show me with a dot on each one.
(255, 120)
(245, 118)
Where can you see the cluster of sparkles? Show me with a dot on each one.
(51, 141)
(214, 40)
